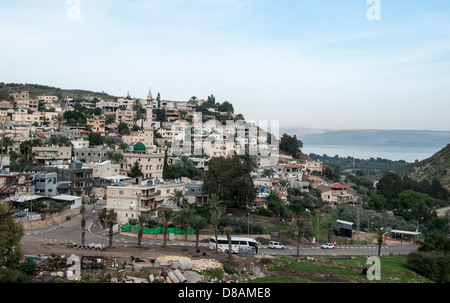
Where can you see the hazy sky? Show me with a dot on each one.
(317, 63)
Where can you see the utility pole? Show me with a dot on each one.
(358, 210)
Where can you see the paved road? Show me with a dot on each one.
(70, 232)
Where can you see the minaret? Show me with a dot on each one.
(148, 130)
(149, 97)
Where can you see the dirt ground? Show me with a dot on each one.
(145, 253)
(244, 268)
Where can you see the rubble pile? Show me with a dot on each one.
(205, 264)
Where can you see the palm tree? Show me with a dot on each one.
(214, 220)
(141, 220)
(6, 143)
(167, 213)
(380, 232)
(228, 234)
(300, 225)
(184, 218)
(179, 199)
(111, 217)
(214, 204)
(83, 224)
(198, 223)
(124, 147)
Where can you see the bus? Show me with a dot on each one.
(236, 243)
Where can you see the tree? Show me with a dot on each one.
(198, 223)
(275, 204)
(5, 144)
(213, 204)
(179, 199)
(413, 205)
(184, 218)
(291, 145)
(390, 186)
(124, 147)
(111, 218)
(136, 170)
(95, 139)
(123, 128)
(110, 142)
(115, 157)
(377, 202)
(27, 146)
(83, 224)
(11, 234)
(230, 179)
(214, 220)
(380, 232)
(141, 220)
(165, 166)
(167, 214)
(228, 234)
(301, 225)
(226, 107)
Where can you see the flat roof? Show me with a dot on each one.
(66, 197)
(27, 198)
(344, 222)
(405, 232)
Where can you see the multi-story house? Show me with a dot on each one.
(132, 201)
(51, 154)
(90, 154)
(126, 116)
(35, 117)
(80, 178)
(335, 194)
(97, 125)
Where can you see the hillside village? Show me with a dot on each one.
(83, 149)
(146, 158)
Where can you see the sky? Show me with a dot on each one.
(327, 64)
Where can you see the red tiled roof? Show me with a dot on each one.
(41, 136)
(258, 200)
(280, 195)
(338, 186)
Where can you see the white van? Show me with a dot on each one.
(275, 245)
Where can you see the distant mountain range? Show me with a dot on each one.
(370, 137)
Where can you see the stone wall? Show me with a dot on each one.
(49, 221)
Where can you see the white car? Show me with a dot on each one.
(328, 245)
(276, 245)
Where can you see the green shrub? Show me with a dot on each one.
(433, 265)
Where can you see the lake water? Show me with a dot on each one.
(395, 153)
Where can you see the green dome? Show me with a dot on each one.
(139, 148)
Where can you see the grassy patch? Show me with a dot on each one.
(393, 269)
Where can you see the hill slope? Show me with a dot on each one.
(38, 89)
(436, 166)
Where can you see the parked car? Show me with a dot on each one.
(276, 245)
(328, 245)
(20, 214)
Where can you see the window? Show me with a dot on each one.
(120, 192)
(112, 191)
